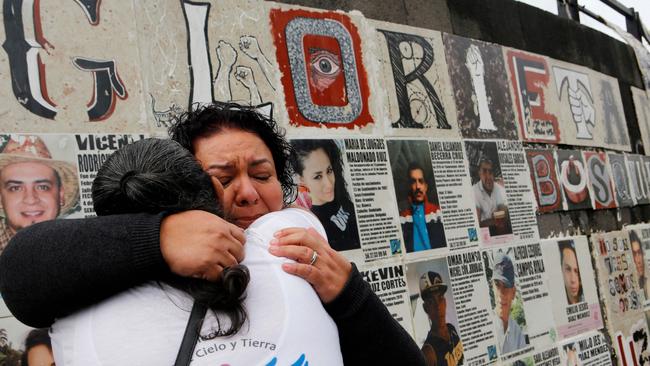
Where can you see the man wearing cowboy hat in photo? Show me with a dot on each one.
(33, 186)
(442, 346)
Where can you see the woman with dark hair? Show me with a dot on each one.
(72, 264)
(319, 168)
(146, 323)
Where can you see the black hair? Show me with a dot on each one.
(155, 176)
(35, 338)
(205, 120)
(414, 165)
(568, 244)
(302, 150)
(634, 237)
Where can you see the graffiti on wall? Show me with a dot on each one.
(324, 80)
(545, 181)
(480, 86)
(600, 180)
(530, 79)
(415, 72)
(580, 98)
(24, 41)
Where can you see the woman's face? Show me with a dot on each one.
(318, 177)
(243, 174)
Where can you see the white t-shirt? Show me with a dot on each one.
(488, 203)
(145, 325)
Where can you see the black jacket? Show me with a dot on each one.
(55, 268)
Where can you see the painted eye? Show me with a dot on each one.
(325, 63)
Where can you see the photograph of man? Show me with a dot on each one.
(509, 333)
(421, 221)
(442, 346)
(490, 195)
(638, 256)
(417, 198)
(33, 186)
(571, 272)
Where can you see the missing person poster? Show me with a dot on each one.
(619, 291)
(576, 308)
(587, 349)
(503, 194)
(458, 208)
(640, 245)
(548, 357)
(388, 281)
(451, 319)
(346, 184)
(39, 181)
(92, 152)
(520, 298)
(418, 201)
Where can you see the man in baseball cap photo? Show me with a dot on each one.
(33, 186)
(442, 346)
(511, 336)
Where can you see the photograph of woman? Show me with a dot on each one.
(323, 190)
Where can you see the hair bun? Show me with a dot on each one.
(124, 181)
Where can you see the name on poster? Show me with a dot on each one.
(385, 278)
(446, 150)
(577, 311)
(464, 264)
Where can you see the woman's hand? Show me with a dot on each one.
(199, 244)
(328, 274)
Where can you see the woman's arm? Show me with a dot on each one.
(368, 333)
(54, 268)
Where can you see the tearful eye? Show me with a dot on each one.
(325, 63)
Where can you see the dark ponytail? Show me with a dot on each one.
(154, 176)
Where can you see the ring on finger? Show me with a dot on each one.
(314, 258)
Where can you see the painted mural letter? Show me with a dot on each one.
(323, 77)
(91, 9)
(580, 97)
(196, 21)
(624, 197)
(638, 179)
(614, 119)
(476, 68)
(546, 187)
(107, 86)
(530, 76)
(408, 101)
(600, 180)
(574, 177)
(27, 69)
